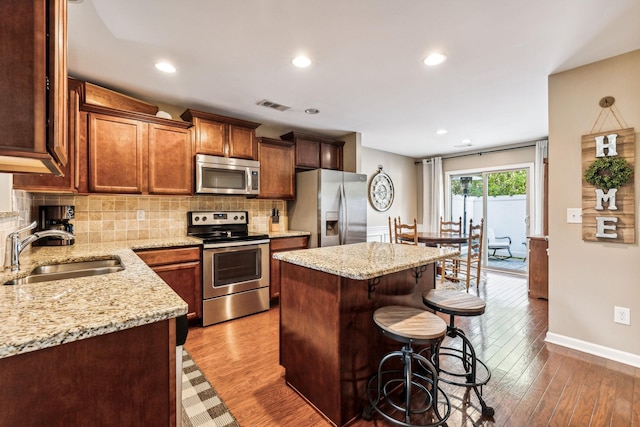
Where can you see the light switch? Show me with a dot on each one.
(574, 215)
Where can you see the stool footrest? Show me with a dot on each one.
(471, 379)
(406, 397)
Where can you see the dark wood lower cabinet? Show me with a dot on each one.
(280, 245)
(125, 378)
(538, 267)
(181, 269)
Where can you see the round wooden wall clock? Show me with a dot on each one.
(381, 191)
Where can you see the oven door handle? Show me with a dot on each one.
(235, 244)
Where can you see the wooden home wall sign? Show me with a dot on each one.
(608, 190)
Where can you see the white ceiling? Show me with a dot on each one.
(367, 74)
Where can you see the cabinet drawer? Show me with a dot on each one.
(287, 243)
(169, 256)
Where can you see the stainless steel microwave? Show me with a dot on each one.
(224, 175)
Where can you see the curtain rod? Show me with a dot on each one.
(480, 153)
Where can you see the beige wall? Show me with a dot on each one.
(586, 279)
(401, 169)
(493, 160)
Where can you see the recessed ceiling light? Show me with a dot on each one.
(466, 141)
(435, 59)
(312, 111)
(301, 61)
(165, 67)
(441, 131)
(463, 145)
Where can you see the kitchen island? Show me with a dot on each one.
(329, 345)
(97, 350)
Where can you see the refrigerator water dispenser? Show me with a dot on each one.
(331, 224)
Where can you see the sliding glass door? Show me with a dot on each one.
(500, 196)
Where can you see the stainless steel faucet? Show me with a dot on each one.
(14, 246)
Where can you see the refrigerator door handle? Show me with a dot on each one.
(342, 219)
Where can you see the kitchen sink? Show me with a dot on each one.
(71, 270)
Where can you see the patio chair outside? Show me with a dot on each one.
(498, 244)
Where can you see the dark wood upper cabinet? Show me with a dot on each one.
(315, 152)
(68, 182)
(33, 84)
(170, 160)
(277, 169)
(116, 151)
(222, 136)
(117, 146)
(130, 153)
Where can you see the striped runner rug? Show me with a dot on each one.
(201, 405)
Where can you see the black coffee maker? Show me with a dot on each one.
(55, 218)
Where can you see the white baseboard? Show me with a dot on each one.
(595, 349)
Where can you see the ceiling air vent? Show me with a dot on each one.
(274, 105)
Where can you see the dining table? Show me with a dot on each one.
(435, 238)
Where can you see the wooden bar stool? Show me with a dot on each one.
(473, 372)
(405, 396)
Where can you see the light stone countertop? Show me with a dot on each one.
(363, 261)
(40, 315)
(287, 233)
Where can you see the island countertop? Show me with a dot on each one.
(363, 261)
(40, 315)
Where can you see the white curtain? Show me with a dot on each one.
(538, 188)
(433, 197)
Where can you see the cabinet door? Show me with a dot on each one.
(280, 245)
(116, 153)
(181, 269)
(242, 144)
(170, 160)
(183, 279)
(57, 140)
(66, 183)
(211, 137)
(33, 85)
(330, 156)
(277, 170)
(307, 154)
(538, 268)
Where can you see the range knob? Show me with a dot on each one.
(204, 218)
(242, 217)
(235, 217)
(196, 219)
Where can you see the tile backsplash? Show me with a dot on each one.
(114, 217)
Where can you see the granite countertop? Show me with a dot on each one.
(363, 261)
(40, 315)
(287, 233)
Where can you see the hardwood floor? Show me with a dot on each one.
(532, 383)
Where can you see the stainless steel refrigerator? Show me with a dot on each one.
(330, 204)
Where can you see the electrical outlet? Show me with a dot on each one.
(622, 315)
(140, 215)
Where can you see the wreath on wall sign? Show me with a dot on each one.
(608, 172)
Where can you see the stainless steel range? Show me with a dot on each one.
(235, 273)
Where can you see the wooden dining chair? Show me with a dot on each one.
(452, 265)
(405, 234)
(470, 263)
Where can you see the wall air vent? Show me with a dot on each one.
(274, 105)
